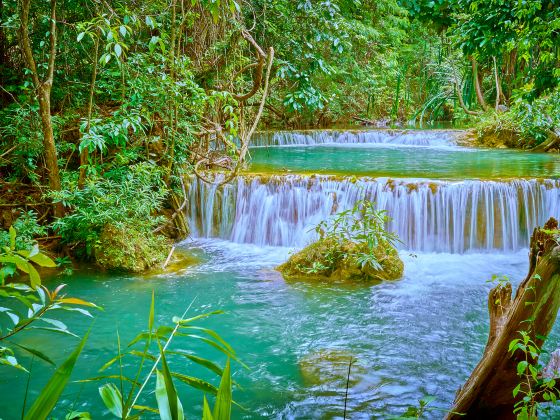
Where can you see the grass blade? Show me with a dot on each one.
(222, 408)
(50, 394)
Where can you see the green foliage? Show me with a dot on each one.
(27, 229)
(353, 244)
(129, 249)
(126, 196)
(24, 308)
(363, 224)
(49, 396)
(153, 346)
(529, 123)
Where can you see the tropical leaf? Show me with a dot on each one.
(162, 397)
(206, 413)
(112, 399)
(50, 394)
(196, 383)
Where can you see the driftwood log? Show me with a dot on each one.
(488, 392)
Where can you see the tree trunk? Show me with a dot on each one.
(552, 141)
(477, 84)
(488, 392)
(43, 90)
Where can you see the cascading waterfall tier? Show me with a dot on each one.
(316, 137)
(428, 216)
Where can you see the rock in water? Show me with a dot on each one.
(346, 260)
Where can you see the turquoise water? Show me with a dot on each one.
(408, 339)
(415, 337)
(377, 160)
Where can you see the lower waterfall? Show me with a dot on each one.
(428, 216)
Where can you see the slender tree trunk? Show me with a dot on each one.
(84, 154)
(498, 88)
(477, 84)
(43, 90)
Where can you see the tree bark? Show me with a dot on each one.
(477, 84)
(552, 141)
(488, 392)
(462, 102)
(43, 90)
(498, 87)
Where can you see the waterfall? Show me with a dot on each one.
(394, 137)
(428, 216)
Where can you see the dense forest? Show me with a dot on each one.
(119, 120)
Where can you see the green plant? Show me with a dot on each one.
(122, 197)
(27, 228)
(29, 307)
(154, 347)
(363, 225)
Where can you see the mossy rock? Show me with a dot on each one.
(129, 249)
(329, 367)
(345, 267)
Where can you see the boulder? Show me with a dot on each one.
(328, 259)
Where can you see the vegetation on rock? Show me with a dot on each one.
(353, 245)
(129, 249)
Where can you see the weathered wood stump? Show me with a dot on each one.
(488, 392)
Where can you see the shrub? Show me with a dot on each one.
(27, 228)
(127, 197)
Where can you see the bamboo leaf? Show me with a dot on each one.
(112, 399)
(50, 394)
(36, 353)
(222, 408)
(196, 383)
(76, 301)
(201, 361)
(162, 397)
(206, 413)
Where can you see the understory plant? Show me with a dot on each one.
(25, 307)
(362, 224)
(124, 197)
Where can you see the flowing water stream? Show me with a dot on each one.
(463, 215)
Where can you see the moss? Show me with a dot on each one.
(312, 262)
(129, 249)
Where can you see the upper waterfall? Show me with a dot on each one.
(441, 216)
(380, 136)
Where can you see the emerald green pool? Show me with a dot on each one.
(381, 160)
(415, 337)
